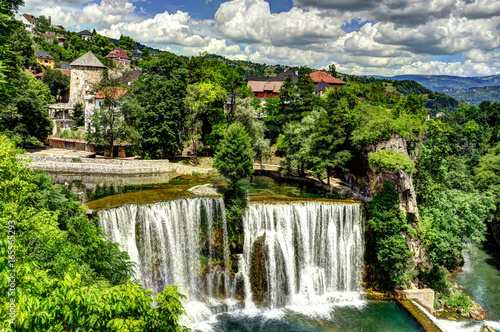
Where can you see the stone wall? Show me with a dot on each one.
(81, 78)
(403, 180)
(111, 166)
(424, 296)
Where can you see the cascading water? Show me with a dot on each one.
(307, 253)
(171, 242)
(312, 252)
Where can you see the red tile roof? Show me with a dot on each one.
(118, 53)
(66, 72)
(116, 94)
(319, 76)
(260, 86)
(30, 18)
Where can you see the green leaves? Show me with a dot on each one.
(69, 276)
(234, 160)
(391, 160)
(388, 253)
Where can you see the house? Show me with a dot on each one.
(45, 59)
(29, 21)
(282, 76)
(129, 77)
(136, 55)
(264, 87)
(85, 34)
(119, 57)
(62, 65)
(61, 40)
(97, 101)
(325, 81)
(61, 115)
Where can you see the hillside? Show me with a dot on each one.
(470, 89)
(475, 95)
(439, 82)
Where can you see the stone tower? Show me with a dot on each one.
(86, 71)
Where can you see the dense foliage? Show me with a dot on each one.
(391, 160)
(234, 159)
(387, 250)
(69, 276)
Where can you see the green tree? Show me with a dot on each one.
(245, 113)
(198, 99)
(26, 116)
(57, 82)
(107, 124)
(157, 109)
(332, 70)
(78, 115)
(68, 275)
(295, 142)
(146, 55)
(488, 179)
(42, 23)
(14, 5)
(387, 251)
(234, 160)
(456, 217)
(21, 46)
(127, 43)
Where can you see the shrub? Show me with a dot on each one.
(458, 300)
(391, 160)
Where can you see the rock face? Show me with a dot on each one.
(407, 199)
(403, 180)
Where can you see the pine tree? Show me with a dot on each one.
(234, 160)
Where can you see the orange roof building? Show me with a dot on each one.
(119, 57)
(325, 81)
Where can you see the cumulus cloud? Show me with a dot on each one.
(351, 5)
(251, 21)
(399, 36)
(163, 28)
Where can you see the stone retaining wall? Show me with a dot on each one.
(424, 296)
(111, 166)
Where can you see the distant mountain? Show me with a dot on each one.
(475, 95)
(439, 82)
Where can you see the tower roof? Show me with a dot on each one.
(88, 60)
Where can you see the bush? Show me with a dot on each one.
(458, 300)
(391, 160)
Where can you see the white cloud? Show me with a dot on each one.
(164, 28)
(251, 21)
(399, 36)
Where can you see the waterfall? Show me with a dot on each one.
(293, 254)
(310, 252)
(170, 242)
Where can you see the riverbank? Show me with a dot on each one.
(110, 166)
(336, 185)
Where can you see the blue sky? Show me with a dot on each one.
(382, 37)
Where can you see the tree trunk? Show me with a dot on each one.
(195, 151)
(328, 175)
(112, 148)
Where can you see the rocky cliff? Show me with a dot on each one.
(407, 197)
(403, 180)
